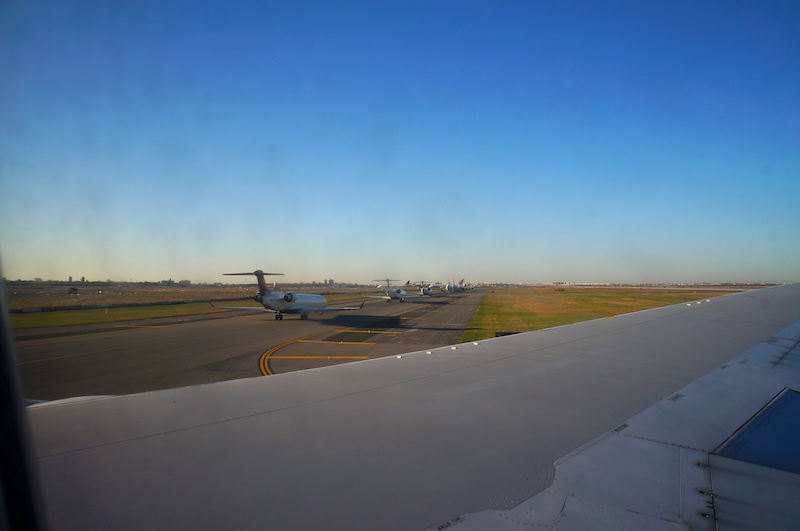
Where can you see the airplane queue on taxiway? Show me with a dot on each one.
(302, 304)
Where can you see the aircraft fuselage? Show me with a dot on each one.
(290, 302)
(396, 293)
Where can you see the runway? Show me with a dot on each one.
(140, 356)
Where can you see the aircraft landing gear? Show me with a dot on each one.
(278, 317)
(304, 316)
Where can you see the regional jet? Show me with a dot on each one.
(286, 303)
(453, 287)
(394, 292)
(680, 417)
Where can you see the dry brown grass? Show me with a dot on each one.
(50, 295)
(26, 295)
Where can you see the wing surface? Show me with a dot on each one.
(606, 424)
(290, 311)
(329, 309)
(249, 308)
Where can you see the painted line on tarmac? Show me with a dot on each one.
(263, 362)
(335, 342)
(368, 331)
(319, 357)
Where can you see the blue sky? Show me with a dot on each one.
(517, 141)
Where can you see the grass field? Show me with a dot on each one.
(501, 310)
(107, 315)
(526, 309)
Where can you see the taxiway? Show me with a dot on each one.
(148, 355)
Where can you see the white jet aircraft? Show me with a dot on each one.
(286, 303)
(425, 288)
(394, 292)
(453, 287)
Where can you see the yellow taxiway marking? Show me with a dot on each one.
(368, 331)
(263, 362)
(319, 357)
(334, 342)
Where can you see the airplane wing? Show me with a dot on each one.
(250, 308)
(624, 423)
(293, 310)
(330, 309)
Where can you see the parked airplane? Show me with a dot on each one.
(425, 288)
(394, 292)
(286, 303)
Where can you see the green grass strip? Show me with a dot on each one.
(526, 309)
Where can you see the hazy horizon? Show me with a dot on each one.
(345, 283)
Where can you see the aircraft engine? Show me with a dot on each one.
(258, 298)
(290, 297)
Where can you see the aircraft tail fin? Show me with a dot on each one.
(262, 284)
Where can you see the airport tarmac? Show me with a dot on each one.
(140, 356)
